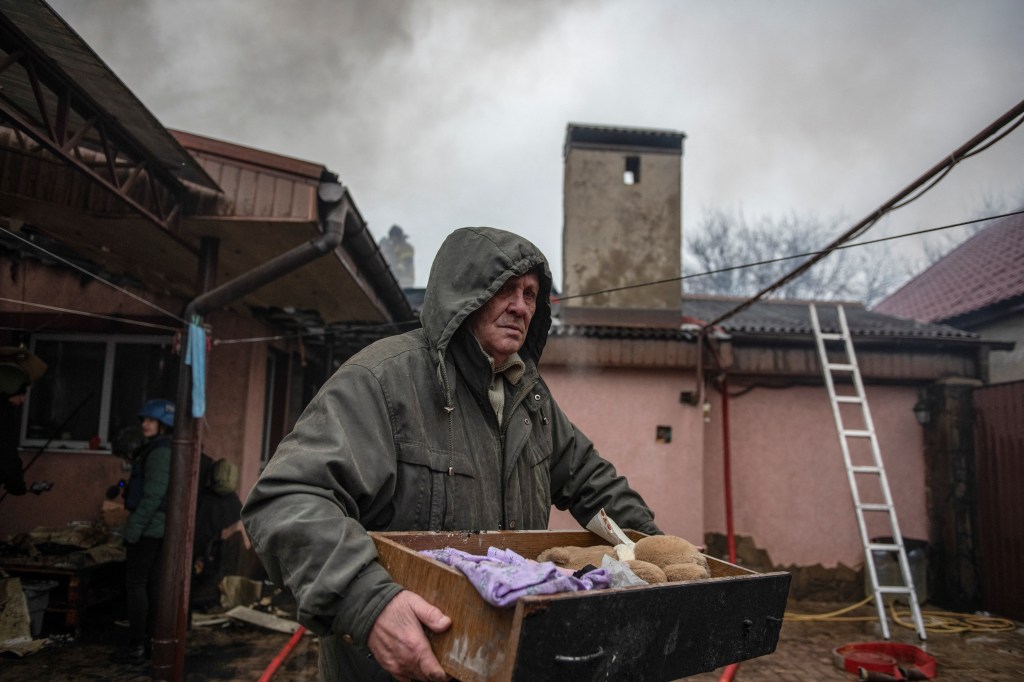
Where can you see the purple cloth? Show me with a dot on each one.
(502, 577)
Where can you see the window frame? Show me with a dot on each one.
(111, 342)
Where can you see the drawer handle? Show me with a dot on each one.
(581, 659)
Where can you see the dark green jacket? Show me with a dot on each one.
(148, 519)
(403, 437)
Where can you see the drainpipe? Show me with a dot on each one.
(176, 566)
(730, 670)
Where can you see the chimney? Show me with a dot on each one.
(622, 216)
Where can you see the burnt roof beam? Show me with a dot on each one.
(51, 128)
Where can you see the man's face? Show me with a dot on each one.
(500, 325)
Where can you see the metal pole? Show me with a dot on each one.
(176, 569)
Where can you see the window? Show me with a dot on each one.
(94, 386)
(631, 176)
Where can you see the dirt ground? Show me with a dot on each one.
(239, 651)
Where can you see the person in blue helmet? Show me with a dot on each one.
(145, 497)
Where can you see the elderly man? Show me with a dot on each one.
(448, 427)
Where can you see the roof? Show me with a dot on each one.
(985, 271)
(764, 318)
(603, 137)
(783, 317)
(33, 24)
(619, 323)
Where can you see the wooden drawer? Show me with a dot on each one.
(653, 632)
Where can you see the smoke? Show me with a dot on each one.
(448, 113)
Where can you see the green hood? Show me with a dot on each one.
(470, 267)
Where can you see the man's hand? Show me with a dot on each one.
(398, 642)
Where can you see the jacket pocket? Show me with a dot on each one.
(533, 471)
(422, 489)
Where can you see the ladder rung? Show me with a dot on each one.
(848, 399)
(831, 336)
(894, 589)
(857, 433)
(875, 506)
(866, 470)
(840, 367)
(883, 547)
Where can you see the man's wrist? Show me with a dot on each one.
(354, 622)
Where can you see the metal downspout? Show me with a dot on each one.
(730, 671)
(176, 566)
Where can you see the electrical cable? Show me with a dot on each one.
(310, 335)
(780, 259)
(282, 337)
(88, 314)
(768, 261)
(93, 276)
(954, 162)
(942, 622)
(941, 169)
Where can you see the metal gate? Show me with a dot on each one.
(999, 457)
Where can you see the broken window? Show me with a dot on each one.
(631, 176)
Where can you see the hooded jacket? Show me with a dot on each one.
(403, 437)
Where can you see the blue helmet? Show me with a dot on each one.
(160, 410)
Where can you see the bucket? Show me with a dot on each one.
(887, 567)
(37, 594)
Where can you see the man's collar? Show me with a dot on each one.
(513, 368)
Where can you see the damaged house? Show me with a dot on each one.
(733, 429)
(118, 238)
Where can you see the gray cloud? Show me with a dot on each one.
(439, 114)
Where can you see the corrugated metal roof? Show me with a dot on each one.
(793, 318)
(768, 318)
(984, 271)
(66, 52)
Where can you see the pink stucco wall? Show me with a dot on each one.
(235, 395)
(789, 486)
(620, 411)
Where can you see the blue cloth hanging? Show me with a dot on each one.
(195, 356)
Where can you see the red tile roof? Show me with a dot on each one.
(986, 270)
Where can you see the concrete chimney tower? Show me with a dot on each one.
(622, 216)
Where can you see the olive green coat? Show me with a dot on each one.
(403, 437)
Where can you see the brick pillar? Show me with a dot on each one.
(953, 575)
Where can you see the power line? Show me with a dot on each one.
(93, 275)
(86, 314)
(308, 335)
(941, 169)
(911, 193)
(781, 259)
(768, 261)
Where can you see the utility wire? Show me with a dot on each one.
(308, 335)
(283, 337)
(300, 335)
(780, 259)
(911, 193)
(940, 169)
(93, 275)
(85, 314)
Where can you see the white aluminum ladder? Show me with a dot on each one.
(859, 473)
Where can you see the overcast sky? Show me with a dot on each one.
(443, 113)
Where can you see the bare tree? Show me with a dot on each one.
(725, 240)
